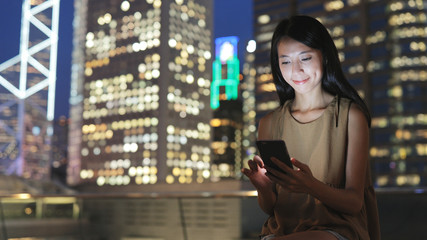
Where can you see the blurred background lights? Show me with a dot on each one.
(125, 6)
(251, 47)
(264, 19)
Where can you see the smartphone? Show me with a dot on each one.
(274, 148)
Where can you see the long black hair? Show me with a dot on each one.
(312, 33)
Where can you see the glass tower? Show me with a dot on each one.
(227, 117)
(140, 92)
(397, 68)
(382, 47)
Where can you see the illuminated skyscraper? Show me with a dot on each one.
(383, 51)
(397, 70)
(140, 93)
(226, 70)
(227, 149)
(27, 94)
(227, 117)
(248, 98)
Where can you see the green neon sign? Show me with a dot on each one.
(225, 61)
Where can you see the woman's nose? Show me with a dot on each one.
(296, 67)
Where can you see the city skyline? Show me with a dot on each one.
(386, 67)
(139, 138)
(231, 18)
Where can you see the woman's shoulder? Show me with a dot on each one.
(355, 110)
(356, 115)
(267, 122)
(268, 118)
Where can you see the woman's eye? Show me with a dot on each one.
(306, 59)
(285, 62)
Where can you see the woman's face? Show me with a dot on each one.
(300, 65)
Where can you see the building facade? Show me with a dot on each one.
(227, 105)
(227, 127)
(140, 92)
(27, 94)
(382, 48)
(249, 133)
(59, 150)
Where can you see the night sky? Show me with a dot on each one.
(231, 18)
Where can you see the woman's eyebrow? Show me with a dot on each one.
(303, 52)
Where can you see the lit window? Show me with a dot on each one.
(264, 19)
(125, 6)
(333, 5)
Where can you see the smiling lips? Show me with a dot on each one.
(300, 82)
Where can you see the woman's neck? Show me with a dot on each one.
(311, 101)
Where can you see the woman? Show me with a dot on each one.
(325, 124)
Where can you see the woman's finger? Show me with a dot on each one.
(258, 160)
(299, 164)
(252, 165)
(281, 165)
(283, 180)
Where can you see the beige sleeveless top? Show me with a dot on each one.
(321, 144)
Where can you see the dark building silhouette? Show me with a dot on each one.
(227, 127)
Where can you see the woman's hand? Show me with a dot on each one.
(298, 180)
(264, 186)
(256, 174)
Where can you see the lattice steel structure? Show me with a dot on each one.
(27, 93)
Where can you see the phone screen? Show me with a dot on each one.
(274, 148)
